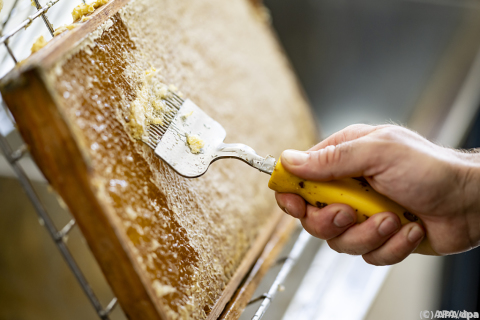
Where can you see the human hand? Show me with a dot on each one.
(439, 185)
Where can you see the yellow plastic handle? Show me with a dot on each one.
(356, 193)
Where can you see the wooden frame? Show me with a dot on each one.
(111, 252)
(57, 150)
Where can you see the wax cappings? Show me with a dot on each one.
(188, 236)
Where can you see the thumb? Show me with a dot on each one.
(355, 158)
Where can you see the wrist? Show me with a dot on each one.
(470, 173)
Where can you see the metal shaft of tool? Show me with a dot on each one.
(292, 258)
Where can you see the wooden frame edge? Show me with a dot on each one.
(29, 77)
(266, 260)
(43, 121)
(264, 236)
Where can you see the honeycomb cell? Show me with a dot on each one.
(98, 87)
(188, 236)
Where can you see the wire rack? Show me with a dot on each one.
(13, 157)
(60, 236)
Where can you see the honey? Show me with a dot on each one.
(188, 236)
(38, 44)
(64, 28)
(151, 203)
(84, 9)
(195, 143)
(148, 107)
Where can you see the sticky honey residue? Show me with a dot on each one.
(186, 115)
(195, 143)
(94, 95)
(82, 10)
(38, 44)
(161, 289)
(64, 28)
(149, 106)
(85, 9)
(172, 225)
(80, 13)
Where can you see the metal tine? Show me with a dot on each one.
(151, 145)
(179, 99)
(176, 99)
(152, 140)
(152, 130)
(159, 130)
(169, 121)
(172, 104)
(155, 131)
(169, 114)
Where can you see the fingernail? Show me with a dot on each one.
(286, 211)
(415, 234)
(294, 157)
(387, 227)
(342, 219)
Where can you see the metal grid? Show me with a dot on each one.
(59, 236)
(13, 156)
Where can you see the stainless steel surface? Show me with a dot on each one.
(277, 285)
(171, 145)
(332, 282)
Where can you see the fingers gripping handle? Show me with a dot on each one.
(356, 193)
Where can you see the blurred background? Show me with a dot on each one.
(410, 62)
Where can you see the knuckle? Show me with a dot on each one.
(370, 260)
(330, 155)
(377, 259)
(392, 258)
(334, 246)
(349, 248)
(314, 226)
(357, 127)
(390, 133)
